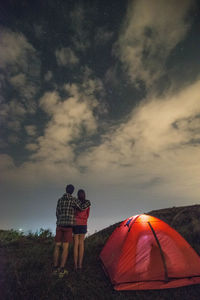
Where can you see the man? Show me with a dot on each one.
(65, 212)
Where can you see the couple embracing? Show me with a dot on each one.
(72, 214)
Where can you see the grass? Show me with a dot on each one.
(27, 264)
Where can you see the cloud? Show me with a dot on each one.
(65, 56)
(20, 67)
(6, 161)
(155, 149)
(18, 56)
(14, 50)
(103, 36)
(71, 120)
(150, 159)
(72, 123)
(48, 76)
(20, 74)
(149, 33)
(26, 88)
(79, 26)
(14, 125)
(154, 152)
(91, 85)
(12, 114)
(111, 76)
(31, 130)
(31, 147)
(13, 139)
(17, 108)
(8, 169)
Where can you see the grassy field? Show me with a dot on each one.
(25, 264)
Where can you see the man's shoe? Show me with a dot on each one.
(63, 272)
(55, 270)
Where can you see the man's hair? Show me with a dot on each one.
(69, 189)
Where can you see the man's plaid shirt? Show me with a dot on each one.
(66, 207)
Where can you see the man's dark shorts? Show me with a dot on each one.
(63, 234)
(80, 229)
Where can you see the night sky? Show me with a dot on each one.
(101, 94)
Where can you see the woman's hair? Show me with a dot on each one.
(81, 194)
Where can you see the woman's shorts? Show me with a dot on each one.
(80, 229)
(63, 234)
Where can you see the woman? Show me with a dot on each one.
(79, 230)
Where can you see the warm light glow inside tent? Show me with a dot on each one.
(146, 253)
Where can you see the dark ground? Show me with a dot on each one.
(25, 265)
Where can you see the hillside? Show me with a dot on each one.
(25, 264)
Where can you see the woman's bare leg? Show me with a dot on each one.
(76, 244)
(81, 250)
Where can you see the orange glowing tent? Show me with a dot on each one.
(145, 253)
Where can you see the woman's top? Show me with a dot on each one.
(81, 216)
